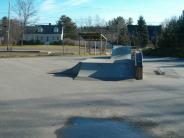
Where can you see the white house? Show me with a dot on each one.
(44, 33)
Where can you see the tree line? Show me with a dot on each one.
(171, 41)
(173, 33)
(116, 30)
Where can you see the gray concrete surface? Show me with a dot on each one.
(34, 103)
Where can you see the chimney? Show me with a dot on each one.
(50, 24)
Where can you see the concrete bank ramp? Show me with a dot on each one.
(108, 70)
(119, 66)
(121, 52)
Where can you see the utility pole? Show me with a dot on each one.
(8, 43)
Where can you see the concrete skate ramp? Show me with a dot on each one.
(108, 70)
(121, 52)
(117, 67)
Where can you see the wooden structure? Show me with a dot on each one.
(92, 37)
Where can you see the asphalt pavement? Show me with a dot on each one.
(34, 103)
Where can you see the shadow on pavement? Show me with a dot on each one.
(102, 128)
(63, 74)
(72, 72)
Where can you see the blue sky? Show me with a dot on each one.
(154, 11)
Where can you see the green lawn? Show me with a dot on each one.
(45, 50)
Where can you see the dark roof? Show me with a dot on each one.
(46, 29)
(30, 30)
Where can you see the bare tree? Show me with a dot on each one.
(97, 20)
(130, 21)
(15, 31)
(25, 12)
(89, 21)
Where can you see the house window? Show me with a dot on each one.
(40, 29)
(56, 30)
(57, 38)
(47, 38)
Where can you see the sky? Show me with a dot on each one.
(153, 11)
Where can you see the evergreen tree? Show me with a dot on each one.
(70, 28)
(180, 30)
(173, 33)
(142, 32)
(169, 35)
